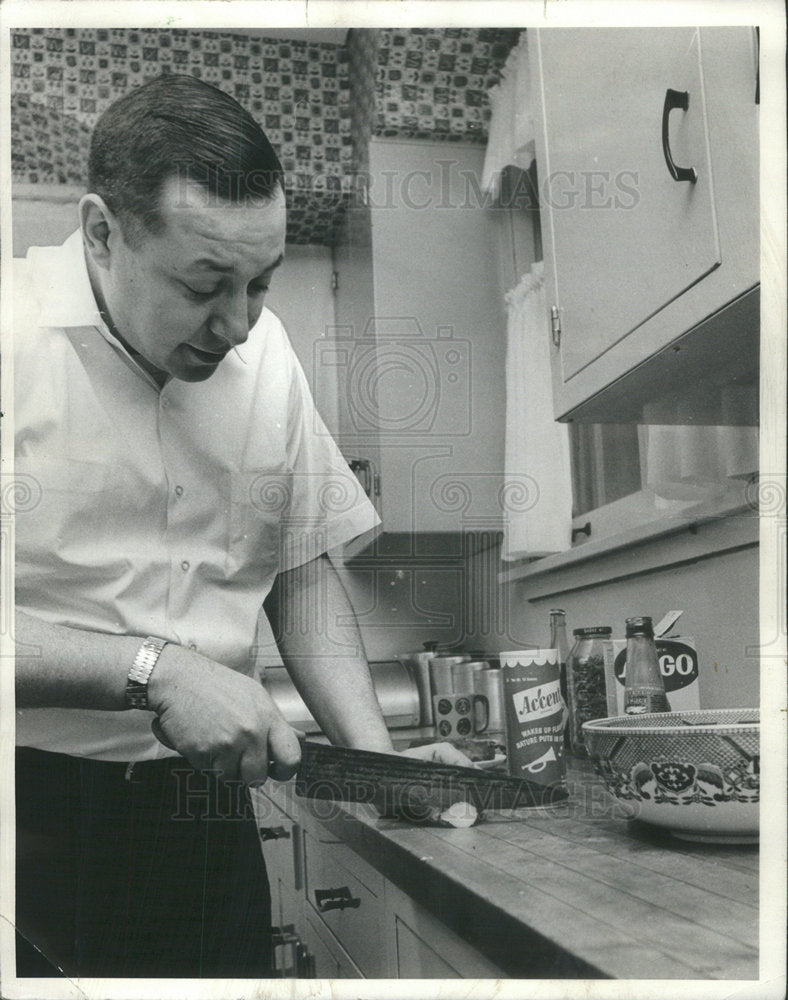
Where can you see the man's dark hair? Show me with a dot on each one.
(177, 126)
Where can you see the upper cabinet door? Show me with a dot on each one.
(623, 237)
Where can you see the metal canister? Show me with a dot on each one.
(463, 674)
(419, 663)
(441, 677)
(490, 684)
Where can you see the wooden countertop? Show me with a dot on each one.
(569, 891)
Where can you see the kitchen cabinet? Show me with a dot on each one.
(341, 918)
(637, 256)
(576, 891)
(420, 339)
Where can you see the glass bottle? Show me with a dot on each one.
(585, 676)
(644, 689)
(559, 642)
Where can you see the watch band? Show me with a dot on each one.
(141, 669)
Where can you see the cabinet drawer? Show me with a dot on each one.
(347, 896)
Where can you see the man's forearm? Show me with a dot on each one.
(321, 646)
(70, 668)
(215, 717)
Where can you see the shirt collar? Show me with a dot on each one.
(68, 299)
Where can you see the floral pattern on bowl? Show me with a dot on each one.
(694, 773)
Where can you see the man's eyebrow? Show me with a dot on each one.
(228, 268)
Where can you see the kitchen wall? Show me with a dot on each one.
(718, 594)
(398, 606)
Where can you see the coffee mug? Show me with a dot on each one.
(457, 715)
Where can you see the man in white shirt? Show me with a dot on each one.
(183, 481)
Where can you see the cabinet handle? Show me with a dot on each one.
(363, 469)
(675, 100)
(584, 530)
(273, 833)
(286, 937)
(336, 899)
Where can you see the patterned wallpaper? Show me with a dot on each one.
(362, 50)
(63, 79)
(433, 82)
(318, 103)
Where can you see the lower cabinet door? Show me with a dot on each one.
(327, 958)
(424, 948)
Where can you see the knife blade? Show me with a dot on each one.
(393, 783)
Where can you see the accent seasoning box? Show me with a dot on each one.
(678, 664)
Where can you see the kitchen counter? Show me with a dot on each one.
(573, 890)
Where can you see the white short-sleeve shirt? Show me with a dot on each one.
(154, 511)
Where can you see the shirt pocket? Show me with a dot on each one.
(260, 500)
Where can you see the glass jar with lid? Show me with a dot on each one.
(585, 681)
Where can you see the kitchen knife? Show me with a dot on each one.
(394, 783)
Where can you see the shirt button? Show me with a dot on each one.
(193, 645)
(185, 565)
(178, 491)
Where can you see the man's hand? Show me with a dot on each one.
(440, 753)
(220, 720)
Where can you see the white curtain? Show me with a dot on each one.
(511, 132)
(537, 496)
(537, 490)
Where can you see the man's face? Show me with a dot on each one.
(185, 297)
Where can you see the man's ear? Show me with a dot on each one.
(100, 228)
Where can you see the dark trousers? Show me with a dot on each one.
(156, 873)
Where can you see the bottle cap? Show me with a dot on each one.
(642, 625)
(602, 630)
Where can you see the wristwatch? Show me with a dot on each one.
(139, 675)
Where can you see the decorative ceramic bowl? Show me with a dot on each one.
(695, 773)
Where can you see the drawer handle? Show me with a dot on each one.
(273, 833)
(286, 937)
(336, 899)
(675, 100)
